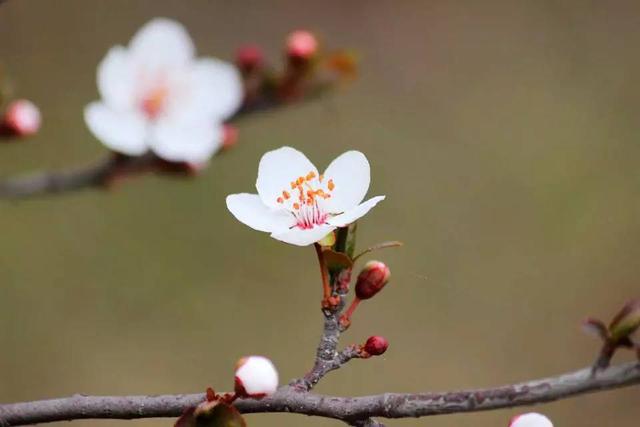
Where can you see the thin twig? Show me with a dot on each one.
(350, 409)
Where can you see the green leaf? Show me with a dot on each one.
(383, 245)
(336, 261)
(211, 414)
(626, 322)
(350, 246)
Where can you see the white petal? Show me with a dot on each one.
(352, 215)
(257, 375)
(531, 419)
(276, 171)
(300, 237)
(162, 42)
(350, 174)
(216, 89)
(115, 79)
(249, 210)
(124, 132)
(186, 142)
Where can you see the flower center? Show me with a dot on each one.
(304, 199)
(153, 102)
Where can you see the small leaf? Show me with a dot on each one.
(329, 240)
(211, 414)
(383, 245)
(350, 246)
(595, 327)
(336, 261)
(626, 322)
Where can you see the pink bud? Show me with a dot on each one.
(373, 277)
(531, 419)
(249, 57)
(255, 377)
(230, 136)
(22, 118)
(376, 345)
(302, 44)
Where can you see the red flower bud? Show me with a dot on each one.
(302, 44)
(373, 277)
(249, 57)
(22, 118)
(230, 136)
(376, 345)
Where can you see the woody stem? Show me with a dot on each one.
(346, 317)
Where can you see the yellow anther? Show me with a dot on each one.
(310, 176)
(296, 206)
(331, 185)
(286, 195)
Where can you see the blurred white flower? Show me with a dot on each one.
(296, 204)
(157, 96)
(255, 377)
(531, 419)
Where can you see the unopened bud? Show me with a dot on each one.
(22, 118)
(255, 377)
(626, 322)
(376, 345)
(302, 44)
(373, 277)
(229, 136)
(249, 57)
(531, 419)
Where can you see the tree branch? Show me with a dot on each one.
(349, 409)
(94, 175)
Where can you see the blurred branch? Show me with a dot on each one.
(353, 410)
(95, 175)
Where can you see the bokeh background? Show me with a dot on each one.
(505, 135)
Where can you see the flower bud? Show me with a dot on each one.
(376, 345)
(22, 118)
(249, 57)
(255, 377)
(302, 44)
(229, 136)
(373, 277)
(626, 322)
(531, 419)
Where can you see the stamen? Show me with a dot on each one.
(331, 185)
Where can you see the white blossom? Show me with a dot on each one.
(157, 96)
(297, 204)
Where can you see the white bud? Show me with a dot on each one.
(255, 377)
(531, 419)
(22, 117)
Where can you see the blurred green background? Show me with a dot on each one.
(504, 133)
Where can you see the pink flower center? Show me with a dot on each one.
(154, 101)
(305, 198)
